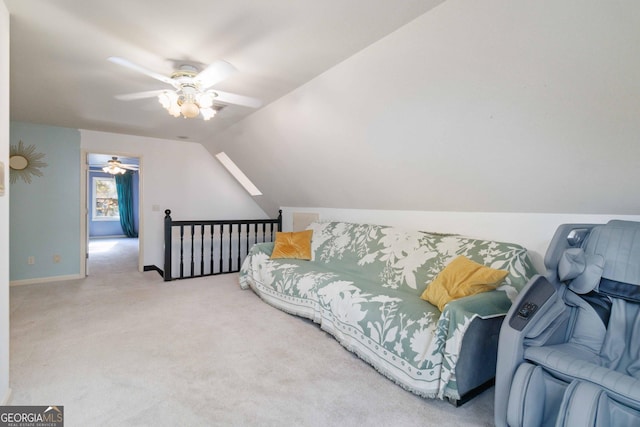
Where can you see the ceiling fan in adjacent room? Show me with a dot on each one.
(115, 166)
(191, 95)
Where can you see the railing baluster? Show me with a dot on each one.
(255, 235)
(221, 236)
(168, 246)
(235, 237)
(239, 246)
(211, 251)
(192, 254)
(182, 252)
(230, 265)
(201, 249)
(246, 248)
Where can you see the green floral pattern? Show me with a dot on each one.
(363, 286)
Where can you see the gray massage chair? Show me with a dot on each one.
(569, 349)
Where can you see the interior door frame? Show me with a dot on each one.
(84, 208)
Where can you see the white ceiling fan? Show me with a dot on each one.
(115, 166)
(192, 94)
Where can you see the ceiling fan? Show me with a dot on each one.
(115, 166)
(192, 94)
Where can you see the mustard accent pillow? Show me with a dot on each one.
(292, 245)
(461, 278)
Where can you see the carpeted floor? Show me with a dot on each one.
(111, 256)
(123, 348)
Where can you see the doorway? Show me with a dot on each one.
(109, 255)
(111, 241)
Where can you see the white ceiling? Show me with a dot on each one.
(60, 74)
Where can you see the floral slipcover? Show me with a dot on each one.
(363, 286)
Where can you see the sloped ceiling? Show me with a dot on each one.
(498, 106)
(532, 106)
(60, 74)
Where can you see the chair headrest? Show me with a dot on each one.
(619, 243)
(611, 253)
(583, 270)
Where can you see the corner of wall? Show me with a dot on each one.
(5, 391)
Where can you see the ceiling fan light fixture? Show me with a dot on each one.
(208, 113)
(174, 110)
(188, 105)
(169, 101)
(113, 170)
(166, 99)
(189, 109)
(192, 93)
(115, 166)
(205, 100)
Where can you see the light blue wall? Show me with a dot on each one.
(44, 215)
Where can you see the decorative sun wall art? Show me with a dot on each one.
(24, 162)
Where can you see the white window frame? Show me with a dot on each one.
(94, 216)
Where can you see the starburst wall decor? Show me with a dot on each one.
(24, 162)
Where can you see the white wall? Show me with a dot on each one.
(531, 230)
(4, 205)
(494, 106)
(181, 176)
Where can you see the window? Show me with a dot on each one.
(105, 199)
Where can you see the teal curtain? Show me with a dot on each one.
(125, 203)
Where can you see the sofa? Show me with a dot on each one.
(362, 283)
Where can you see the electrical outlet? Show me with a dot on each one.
(56, 259)
(31, 260)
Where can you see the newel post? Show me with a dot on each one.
(167, 245)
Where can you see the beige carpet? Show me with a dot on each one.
(110, 256)
(122, 348)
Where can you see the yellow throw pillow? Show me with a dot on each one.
(292, 245)
(461, 278)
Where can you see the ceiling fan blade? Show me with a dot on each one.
(139, 95)
(130, 167)
(128, 64)
(232, 98)
(214, 73)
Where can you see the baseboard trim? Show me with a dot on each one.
(154, 268)
(45, 280)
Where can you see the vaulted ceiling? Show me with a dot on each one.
(497, 106)
(59, 49)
